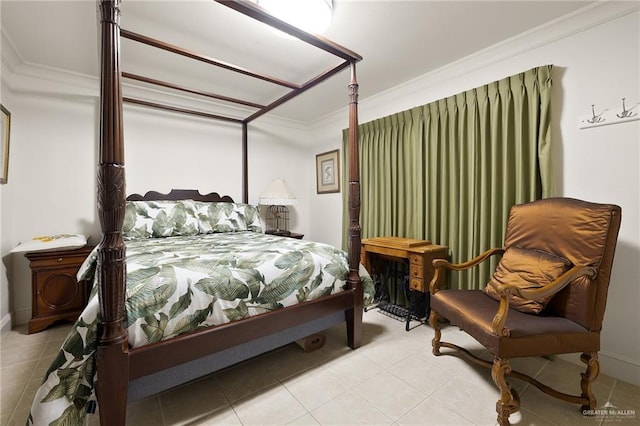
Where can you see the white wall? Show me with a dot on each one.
(5, 231)
(275, 151)
(51, 188)
(596, 55)
(181, 151)
(326, 209)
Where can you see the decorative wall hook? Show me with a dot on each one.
(596, 118)
(608, 116)
(626, 113)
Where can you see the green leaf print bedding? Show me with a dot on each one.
(181, 284)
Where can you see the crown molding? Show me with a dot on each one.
(590, 16)
(36, 79)
(11, 57)
(24, 77)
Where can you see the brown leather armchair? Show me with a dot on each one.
(547, 295)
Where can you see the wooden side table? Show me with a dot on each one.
(55, 293)
(418, 253)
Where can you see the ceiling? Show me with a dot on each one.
(399, 41)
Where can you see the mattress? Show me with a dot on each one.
(181, 284)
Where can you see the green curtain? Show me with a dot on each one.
(449, 171)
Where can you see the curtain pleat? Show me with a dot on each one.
(449, 171)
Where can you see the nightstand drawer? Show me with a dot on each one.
(416, 271)
(51, 259)
(416, 284)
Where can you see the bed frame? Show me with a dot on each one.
(140, 371)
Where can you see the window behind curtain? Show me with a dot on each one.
(449, 171)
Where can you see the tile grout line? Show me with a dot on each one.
(26, 384)
(402, 345)
(226, 398)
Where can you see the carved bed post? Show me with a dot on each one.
(354, 316)
(245, 163)
(112, 352)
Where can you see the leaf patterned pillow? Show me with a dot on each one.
(146, 219)
(251, 215)
(219, 217)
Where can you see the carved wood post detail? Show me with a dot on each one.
(245, 163)
(111, 180)
(435, 342)
(354, 240)
(354, 317)
(509, 401)
(112, 357)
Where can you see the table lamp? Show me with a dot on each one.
(277, 197)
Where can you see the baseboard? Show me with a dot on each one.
(623, 369)
(5, 323)
(612, 365)
(22, 316)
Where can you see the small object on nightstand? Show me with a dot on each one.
(55, 293)
(285, 234)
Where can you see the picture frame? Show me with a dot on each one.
(328, 172)
(5, 133)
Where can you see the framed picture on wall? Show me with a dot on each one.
(328, 172)
(5, 132)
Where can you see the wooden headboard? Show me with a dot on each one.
(181, 194)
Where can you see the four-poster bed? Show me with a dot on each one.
(127, 371)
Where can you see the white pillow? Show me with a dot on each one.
(51, 242)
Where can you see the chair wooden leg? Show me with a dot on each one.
(435, 342)
(509, 401)
(593, 370)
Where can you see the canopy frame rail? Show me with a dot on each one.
(188, 111)
(258, 13)
(173, 86)
(203, 58)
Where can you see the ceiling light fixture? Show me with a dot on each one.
(312, 16)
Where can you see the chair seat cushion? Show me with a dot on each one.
(526, 269)
(530, 334)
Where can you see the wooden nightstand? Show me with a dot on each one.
(55, 293)
(289, 235)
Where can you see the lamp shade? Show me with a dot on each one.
(277, 194)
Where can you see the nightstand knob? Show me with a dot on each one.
(59, 260)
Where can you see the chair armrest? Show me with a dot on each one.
(550, 289)
(441, 264)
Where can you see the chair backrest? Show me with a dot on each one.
(584, 233)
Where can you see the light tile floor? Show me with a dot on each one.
(393, 379)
